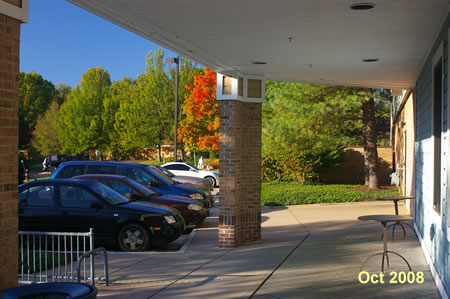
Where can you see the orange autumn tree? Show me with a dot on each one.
(199, 130)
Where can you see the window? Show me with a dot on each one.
(138, 175)
(437, 108)
(241, 87)
(71, 171)
(227, 85)
(40, 196)
(177, 167)
(76, 197)
(254, 88)
(118, 186)
(23, 197)
(101, 169)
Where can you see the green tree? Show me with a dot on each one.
(145, 118)
(82, 127)
(62, 92)
(35, 96)
(119, 115)
(45, 135)
(305, 127)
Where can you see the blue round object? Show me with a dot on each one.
(53, 290)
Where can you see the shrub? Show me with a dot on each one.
(300, 166)
(283, 193)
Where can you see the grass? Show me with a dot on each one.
(289, 193)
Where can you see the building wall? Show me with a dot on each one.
(404, 150)
(9, 101)
(432, 226)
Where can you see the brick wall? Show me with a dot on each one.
(9, 101)
(351, 170)
(240, 173)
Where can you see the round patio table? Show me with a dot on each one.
(384, 219)
(395, 199)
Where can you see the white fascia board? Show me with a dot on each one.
(18, 13)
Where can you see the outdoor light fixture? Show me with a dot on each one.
(177, 61)
(362, 6)
(371, 59)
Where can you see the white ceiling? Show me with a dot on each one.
(329, 40)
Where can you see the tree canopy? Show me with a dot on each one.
(199, 129)
(82, 127)
(306, 127)
(35, 96)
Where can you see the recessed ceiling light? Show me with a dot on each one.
(259, 62)
(371, 59)
(362, 6)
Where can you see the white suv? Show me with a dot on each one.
(182, 168)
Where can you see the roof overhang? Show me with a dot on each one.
(320, 41)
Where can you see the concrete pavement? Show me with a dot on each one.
(312, 251)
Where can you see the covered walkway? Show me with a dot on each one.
(310, 251)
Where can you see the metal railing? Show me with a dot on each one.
(57, 257)
(91, 254)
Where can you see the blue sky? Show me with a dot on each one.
(62, 41)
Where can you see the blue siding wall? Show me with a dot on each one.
(431, 225)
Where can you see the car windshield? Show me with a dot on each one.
(144, 190)
(165, 171)
(192, 166)
(161, 176)
(108, 194)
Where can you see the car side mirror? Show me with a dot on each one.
(96, 206)
(154, 184)
(135, 196)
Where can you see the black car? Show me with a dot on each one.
(192, 210)
(63, 205)
(141, 173)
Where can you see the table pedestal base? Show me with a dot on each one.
(394, 225)
(385, 251)
(384, 254)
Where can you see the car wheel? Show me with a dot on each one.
(133, 237)
(52, 169)
(211, 180)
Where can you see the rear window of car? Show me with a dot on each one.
(39, 196)
(101, 169)
(70, 171)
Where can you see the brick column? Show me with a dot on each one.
(9, 102)
(240, 173)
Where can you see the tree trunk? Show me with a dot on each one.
(195, 158)
(159, 153)
(183, 152)
(370, 144)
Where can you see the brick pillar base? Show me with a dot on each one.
(9, 102)
(240, 173)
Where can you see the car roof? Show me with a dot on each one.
(169, 163)
(57, 181)
(111, 163)
(106, 176)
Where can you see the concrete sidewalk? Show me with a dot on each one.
(310, 251)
